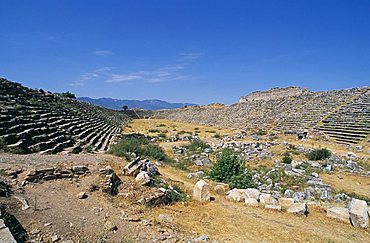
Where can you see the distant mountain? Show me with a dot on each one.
(117, 104)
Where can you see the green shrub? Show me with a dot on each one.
(319, 154)
(162, 135)
(154, 130)
(140, 145)
(241, 181)
(175, 194)
(217, 135)
(197, 144)
(287, 159)
(229, 169)
(210, 131)
(89, 149)
(68, 95)
(261, 132)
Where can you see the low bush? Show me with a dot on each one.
(319, 154)
(261, 132)
(175, 194)
(197, 144)
(229, 169)
(68, 95)
(287, 159)
(217, 135)
(140, 145)
(154, 130)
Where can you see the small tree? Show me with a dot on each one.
(319, 154)
(231, 170)
(125, 107)
(68, 95)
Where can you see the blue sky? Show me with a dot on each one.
(184, 50)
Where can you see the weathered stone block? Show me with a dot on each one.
(358, 213)
(201, 191)
(285, 202)
(339, 213)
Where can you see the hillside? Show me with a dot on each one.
(38, 121)
(116, 104)
(343, 115)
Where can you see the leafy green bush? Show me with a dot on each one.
(89, 149)
(241, 181)
(162, 135)
(175, 194)
(68, 95)
(229, 169)
(217, 135)
(261, 132)
(319, 154)
(138, 144)
(287, 159)
(210, 131)
(197, 144)
(154, 130)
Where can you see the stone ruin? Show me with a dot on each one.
(342, 115)
(33, 121)
(274, 93)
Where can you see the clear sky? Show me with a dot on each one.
(199, 51)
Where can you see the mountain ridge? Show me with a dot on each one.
(148, 104)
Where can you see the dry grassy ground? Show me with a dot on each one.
(55, 202)
(235, 222)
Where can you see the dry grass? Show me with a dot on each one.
(349, 183)
(235, 222)
(174, 127)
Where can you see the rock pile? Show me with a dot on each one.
(111, 181)
(141, 169)
(54, 173)
(253, 197)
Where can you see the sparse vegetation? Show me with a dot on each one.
(210, 131)
(229, 169)
(140, 145)
(319, 154)
(154, 130)
(89, 149)
(287, 159)
(67, 95)
(217, 135)
(197, 144)
(261, 132)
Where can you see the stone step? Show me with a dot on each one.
(58, 147)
